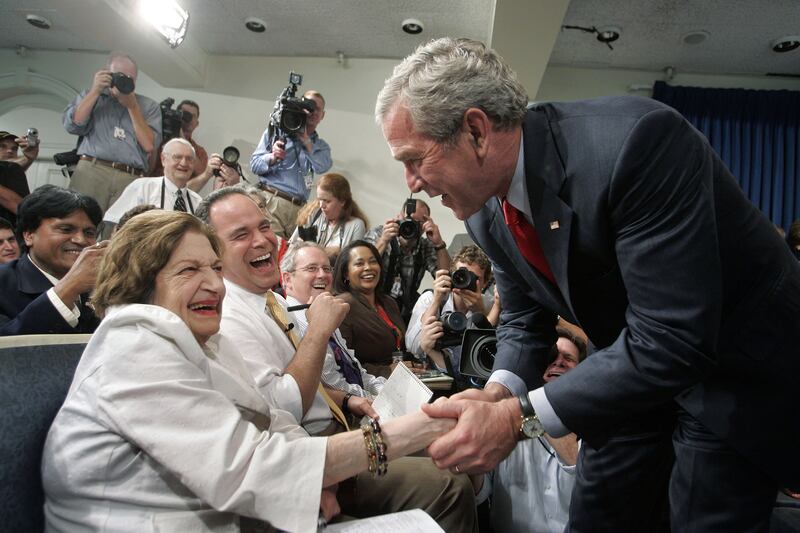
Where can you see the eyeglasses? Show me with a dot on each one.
(312, 269)
(177, 158)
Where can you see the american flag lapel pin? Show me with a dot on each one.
(554, 224)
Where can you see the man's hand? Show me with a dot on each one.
(82, 276)
(492, 392)
(101, 80)
(442, 285)
(432, 331)
(390, 230)
(128, 101)
(278, 151)
(326, 313)
(431, 231)
(361, 407)
(485, 434)
(29, 152)
(472, 300)
(227, 176)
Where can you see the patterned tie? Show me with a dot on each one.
(180, 204)
(278, 314)
(527, 239)
(350, 371)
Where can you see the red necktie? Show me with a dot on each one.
(527, 239)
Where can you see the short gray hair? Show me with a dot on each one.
(288, 263)
(177, 140)
(445, 77)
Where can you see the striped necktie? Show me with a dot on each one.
(278, 314)
(180, 204)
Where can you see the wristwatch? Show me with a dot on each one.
(531, 427)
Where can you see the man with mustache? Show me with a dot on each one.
(46, 290)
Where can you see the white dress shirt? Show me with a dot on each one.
(70, 315)
(160, 434)
(268, 351)
(331, 375)
(531, 490)
(143, 191)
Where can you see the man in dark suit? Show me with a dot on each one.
(45, 290)
(617, 215)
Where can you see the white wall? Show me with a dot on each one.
(240, 91)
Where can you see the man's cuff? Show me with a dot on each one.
(547, 416)
(509, 380)
(70, 316)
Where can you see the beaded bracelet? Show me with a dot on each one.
(380, 447)
(369, 443)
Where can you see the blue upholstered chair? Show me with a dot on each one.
(35, 374)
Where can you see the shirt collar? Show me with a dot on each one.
(518, 190)
(52, 279)
(171, 188)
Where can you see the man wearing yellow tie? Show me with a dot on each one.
(287, 370)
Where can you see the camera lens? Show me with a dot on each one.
(409, 229)
(230, 155)
(463, 278)
(454, 321)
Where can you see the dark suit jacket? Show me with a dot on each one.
(25, 309)
(367, 334)
(682, 285)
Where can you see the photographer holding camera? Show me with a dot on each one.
(286, 166)
(409, 245)
(460, 291)
(10, 145)
(119, 129)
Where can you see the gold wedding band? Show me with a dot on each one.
(457, 470)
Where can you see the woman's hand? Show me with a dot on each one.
(328, 506)
(361, 407)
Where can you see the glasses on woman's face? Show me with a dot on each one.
(313, 269)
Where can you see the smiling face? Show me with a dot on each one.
(566, 360)
(56, 243)
(331, 206)
(312, 275)
(178, 160)
(458, 173)
(190, 285)
(9, 248)
(363, 270)
(249, 242)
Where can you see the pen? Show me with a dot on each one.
(293, 308)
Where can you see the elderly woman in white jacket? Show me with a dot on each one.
(163, 428)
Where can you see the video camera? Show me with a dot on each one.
(409, 228)
(289, 115)
(478, 341)
(172, 120)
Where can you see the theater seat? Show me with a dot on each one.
(35, 374)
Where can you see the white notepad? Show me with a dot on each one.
(402, 394)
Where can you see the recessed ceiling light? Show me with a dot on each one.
(608, 34)
(786, 44)
(38, 22)
(695, 37)
(256, 25)
(412, 26)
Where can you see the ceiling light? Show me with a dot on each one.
(786, 44)
(166, 16)
(608, 34)
(38, 22)
(256, 25)
(412, 26)
(695, 37)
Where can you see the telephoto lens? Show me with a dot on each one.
(464, 278)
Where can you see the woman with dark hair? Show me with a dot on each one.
(164, 429)
(373, 327)
(335, 217)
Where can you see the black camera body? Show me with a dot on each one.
(307, 233)
(478, 352)
(409, 228)
(454, 324)
(289, 115)
(463, 278)
(122, 82)
(230, 158)
(67, 159)
(172, 120)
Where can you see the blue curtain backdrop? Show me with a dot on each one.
(756, 135)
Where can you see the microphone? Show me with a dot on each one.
(289, 327)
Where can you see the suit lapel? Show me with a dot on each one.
(545, 177)
(29, 279)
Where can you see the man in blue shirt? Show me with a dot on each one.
(286, 168)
